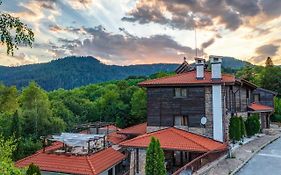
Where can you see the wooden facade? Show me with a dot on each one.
(264, 97)
(163, 106)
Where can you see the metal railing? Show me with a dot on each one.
(200, 161)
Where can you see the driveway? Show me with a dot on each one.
(267, 161)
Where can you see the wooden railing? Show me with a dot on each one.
(200, 161)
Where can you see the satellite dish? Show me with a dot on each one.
(203, 120)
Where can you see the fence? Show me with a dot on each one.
(200, 161)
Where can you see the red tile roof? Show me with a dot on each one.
(86, 165)
(134, 130)
(187, 78)
(176, 139)
(259, 107)
(116, 138)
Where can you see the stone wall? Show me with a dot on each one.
(208, 112)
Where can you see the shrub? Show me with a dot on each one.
(252, 125)
(235, 129)
(276, 118)
(243, 129)
(33, 170)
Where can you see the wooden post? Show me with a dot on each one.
(137, 156)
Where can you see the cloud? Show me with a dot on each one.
(264, 51)
(267, 50)
(47, 4)
(123, 49)
(185, 14)
(208, 43)
(79, 4)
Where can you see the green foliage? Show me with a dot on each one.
(277, 105)
(16, 125)
(37, 113)
(7, 147)
(235, 129)
(267, 77)
(276, 118)
(270, 78)
(33, 170)
(138, 103)
(8, 99)
(243, 129)
(72, 72)
(26, 147)
(155, 160)
(14, 32)
(252, 125)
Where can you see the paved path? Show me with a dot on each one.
(267, 161)
(241, 155)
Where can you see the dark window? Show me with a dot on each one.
(181, 120)
(110, 172)
(257, 98)
(180, 92)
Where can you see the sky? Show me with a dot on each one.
(126, 32)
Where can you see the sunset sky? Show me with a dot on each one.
(147, 31)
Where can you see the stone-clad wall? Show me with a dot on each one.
(209, 112)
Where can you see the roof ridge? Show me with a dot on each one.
(175, 75)
(145, 135)
(91, 166)
(189, 138)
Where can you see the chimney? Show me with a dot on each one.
(215, 66)
(217, 102)
(199, 65)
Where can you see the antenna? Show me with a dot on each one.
(195, 41)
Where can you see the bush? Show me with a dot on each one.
(276, 118)
(252, 125)
(235, 133)
(243, 129)
(33, 170)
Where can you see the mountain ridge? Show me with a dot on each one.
(75, 71)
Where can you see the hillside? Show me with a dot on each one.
(71, 72)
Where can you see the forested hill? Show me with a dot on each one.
(71, 72)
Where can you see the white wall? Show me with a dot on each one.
(217, 113)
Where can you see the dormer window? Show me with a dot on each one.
(180, 92)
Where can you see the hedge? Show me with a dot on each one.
(235, 128)
(252, 125)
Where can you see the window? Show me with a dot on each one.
(257, 98)
(180, 92)
(181, 121)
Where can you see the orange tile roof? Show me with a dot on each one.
(86, 165)
(116, 138)
(187, 78)
(259, 107)
(134, 130)
(176, 139)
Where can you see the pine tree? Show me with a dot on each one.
(33, 170)
(160, 159)
(269, 62)
(155, 160)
